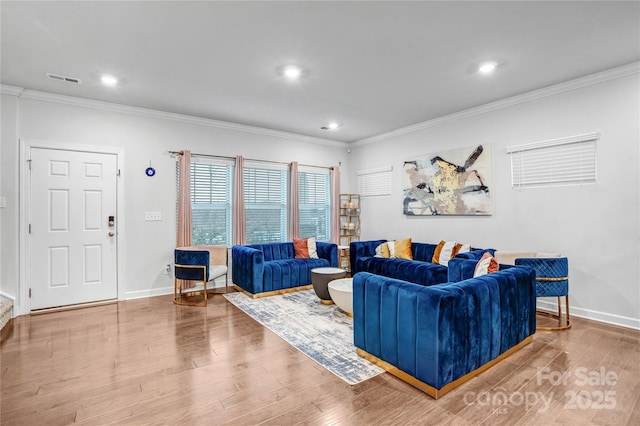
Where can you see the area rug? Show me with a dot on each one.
(322, 332)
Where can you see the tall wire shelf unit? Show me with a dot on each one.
(349, 226)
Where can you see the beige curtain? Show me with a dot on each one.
(294, 208)
(239, 225)
(184, 200)
(334, 177)
(184, 207)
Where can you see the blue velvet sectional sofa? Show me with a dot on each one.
(420, 270)
(437, 337)
(266, 269)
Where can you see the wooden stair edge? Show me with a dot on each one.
(6, 319)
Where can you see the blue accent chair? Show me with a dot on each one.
(552, 280)
(198, 263)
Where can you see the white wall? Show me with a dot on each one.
(595, 226)
(148, 246)
(9, 190)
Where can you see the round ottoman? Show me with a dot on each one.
(341, 292)
(320, 278)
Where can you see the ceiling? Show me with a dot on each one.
(372, 66)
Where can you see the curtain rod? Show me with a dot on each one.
(223, 157)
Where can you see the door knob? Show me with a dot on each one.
(111, 234)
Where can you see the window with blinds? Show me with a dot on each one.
(314, 204)
(265, 201)
(565, 161)
(211, 202)
(374, 182)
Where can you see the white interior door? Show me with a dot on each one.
(73, 255)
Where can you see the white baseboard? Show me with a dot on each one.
(592, 315)
(162, 291)
(141, 294)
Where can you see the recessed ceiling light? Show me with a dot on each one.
(292, 72)
(487, 67)
(331, 126)
(109, 80)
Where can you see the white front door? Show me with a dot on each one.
(73, 255)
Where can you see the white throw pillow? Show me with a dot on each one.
(313, 250)
(486, 265)
(382, 250)
(391, 245)
(445, 253)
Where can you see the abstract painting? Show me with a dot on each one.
(455, 182)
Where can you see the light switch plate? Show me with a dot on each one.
(152, 216)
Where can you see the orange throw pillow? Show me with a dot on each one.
(436, 254)
(305, 248)
(402, 249)
(445, 251)
(301, 248)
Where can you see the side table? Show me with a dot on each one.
(320, 278)
(341, 292)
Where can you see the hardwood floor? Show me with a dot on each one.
(149, 361)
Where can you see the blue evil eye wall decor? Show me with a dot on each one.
(150, 171)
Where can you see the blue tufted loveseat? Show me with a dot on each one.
(266, 269)
(420, 270)
(437, 337)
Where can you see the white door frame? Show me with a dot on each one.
(23, 306)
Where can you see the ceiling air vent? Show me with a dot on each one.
(63, 78)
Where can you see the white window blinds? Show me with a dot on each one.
(265, 200)
(211, 184)
(375, 182)
(565, 161)
(314, 203)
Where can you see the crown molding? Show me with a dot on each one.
(566, 86)
(7, 89)
(578, 83)
(151, 113)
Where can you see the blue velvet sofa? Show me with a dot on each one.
(420, 270)
(437, 337)
(267, 269)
